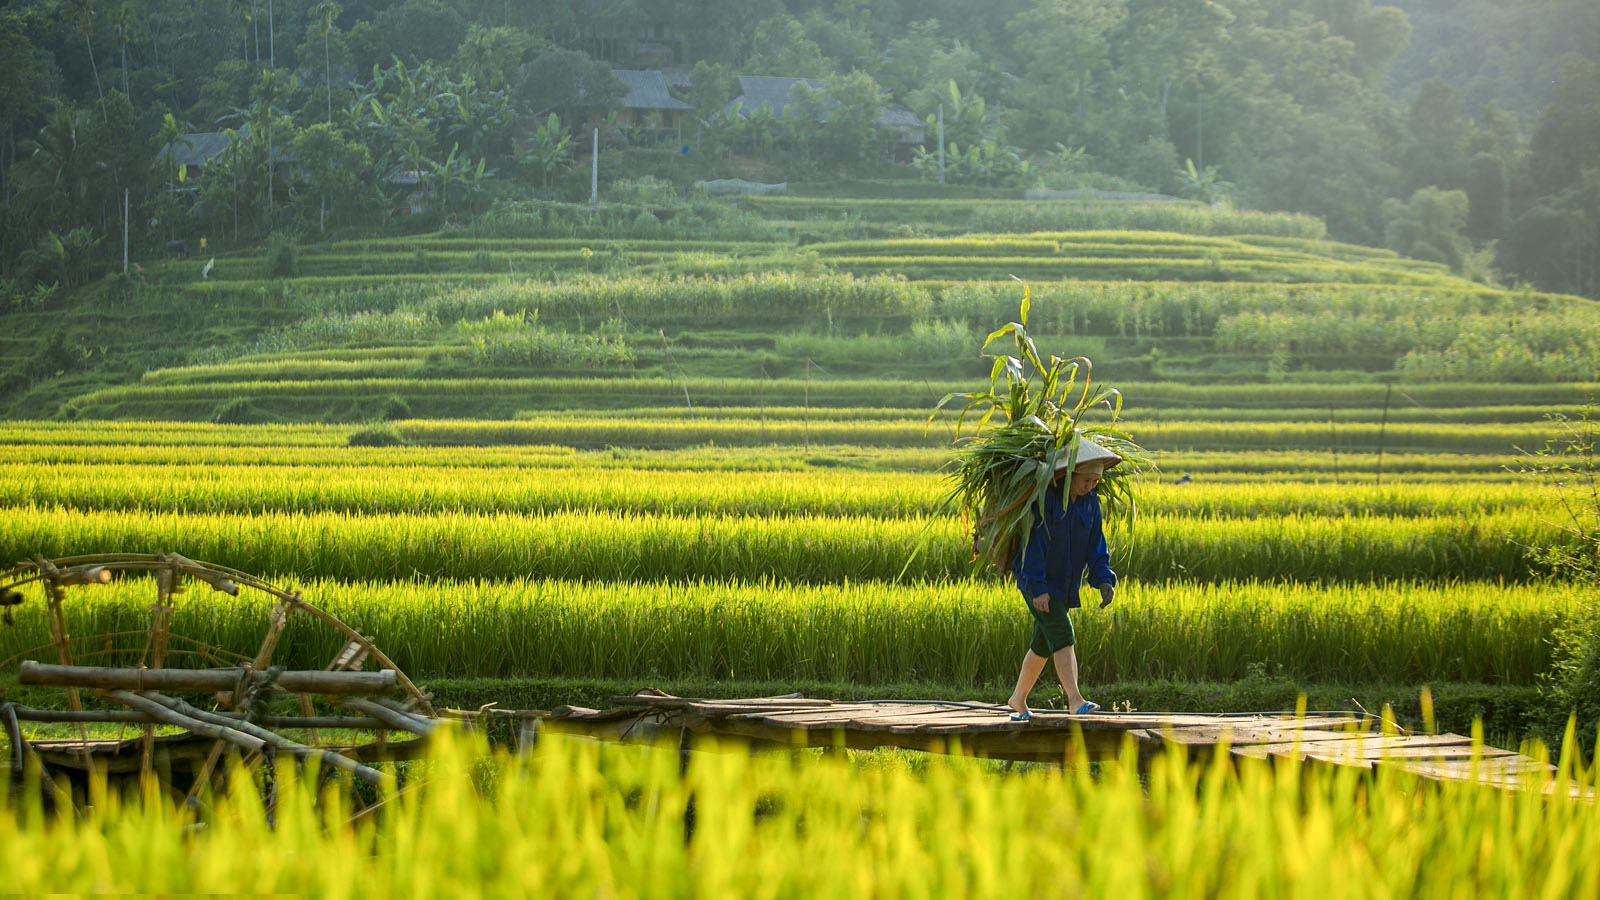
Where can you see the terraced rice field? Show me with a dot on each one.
(1389, 582)
(635, 458)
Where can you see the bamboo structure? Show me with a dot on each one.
(346, 710)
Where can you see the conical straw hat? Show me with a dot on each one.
(1091, 456)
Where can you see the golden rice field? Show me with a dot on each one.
(775, 561)
(579, 819)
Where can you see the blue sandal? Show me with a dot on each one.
(1088, 706)
(1022, 716)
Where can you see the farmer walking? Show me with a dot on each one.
(1063, 542)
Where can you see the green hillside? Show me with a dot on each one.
(465, 324)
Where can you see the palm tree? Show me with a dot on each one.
(325, 13)
(123, 25)
(82, 12)
(268, 91)
(59, 169)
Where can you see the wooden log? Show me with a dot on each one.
(198, 680)
(267, 738)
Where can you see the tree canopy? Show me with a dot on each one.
(1318, 106)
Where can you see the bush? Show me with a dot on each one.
(1572, 687)
(238, 411)
(383, 435)
(283, 255)
(393, 407)
(941, 339)
(645, 190)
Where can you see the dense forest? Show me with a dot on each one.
(1467, 133)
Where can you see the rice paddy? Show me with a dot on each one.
(748, 489)
(580, 819)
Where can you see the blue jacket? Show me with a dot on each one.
(1069, 540)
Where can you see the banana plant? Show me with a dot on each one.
(455, 169)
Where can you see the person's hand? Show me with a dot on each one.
(1042, 603)
(1107, 592)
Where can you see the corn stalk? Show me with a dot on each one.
(1008, 468)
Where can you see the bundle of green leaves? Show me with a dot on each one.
(1005, 471)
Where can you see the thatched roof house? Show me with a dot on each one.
(647, 91)
(204, 146)
(775, 93)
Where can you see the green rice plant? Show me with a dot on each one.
(468, 242)
(332, 329)
(799, 548)
(1313, 401)
(293, 369)
(1042, 215)
(122, 434)
(1175, 309)
(518, 339)
(962, 634)
(940, 339)
(1291, 468)
(765, 297)
(1139, 268)
(546, 481)
(587, 819)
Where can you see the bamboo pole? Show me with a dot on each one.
(393, 717)
(115, 678)
(131, 717)
(154, 704)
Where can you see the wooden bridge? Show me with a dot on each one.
(984, 730)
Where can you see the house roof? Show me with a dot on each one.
(897, 116)
(647, 89)
(677, 76)
(774, 93)
(767, 90)
(208, 144)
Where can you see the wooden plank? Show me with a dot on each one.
(1214, 735)
(584, 713)
(1443, 753)
(668, 701)
(970, 718)
(808, 718)
(787, 702)
(1366, 745)
(802, 716)
(873, 720)
(1463, 770)
(1052, 735)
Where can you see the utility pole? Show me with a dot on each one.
(941, 143)
(124, 231)
(594, 170)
